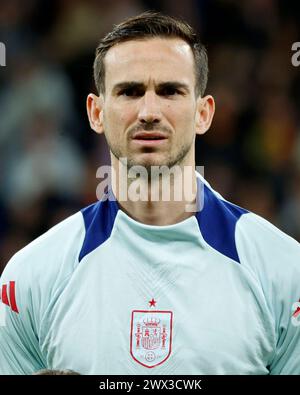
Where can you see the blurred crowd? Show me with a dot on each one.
(49, 155)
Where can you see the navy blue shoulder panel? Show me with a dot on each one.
(217, 222)
(99, 220)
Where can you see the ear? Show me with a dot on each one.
(204, 114)
(94, 106)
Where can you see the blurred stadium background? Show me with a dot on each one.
(49, 155)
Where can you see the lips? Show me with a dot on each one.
(149, 136)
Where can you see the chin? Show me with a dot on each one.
(148, 161)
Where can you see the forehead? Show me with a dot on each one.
(157, 59)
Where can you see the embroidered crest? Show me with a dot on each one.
(151, 336)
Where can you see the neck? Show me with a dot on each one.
(155, 197)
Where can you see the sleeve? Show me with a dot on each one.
(274, 258)
(27, 288)
(286, 358)
(19, 344)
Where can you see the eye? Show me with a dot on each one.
(131, 92)
(169, 91)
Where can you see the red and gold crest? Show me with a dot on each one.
(151, 336)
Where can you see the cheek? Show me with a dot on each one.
(184, 121)
(180, 113)
(119, 117)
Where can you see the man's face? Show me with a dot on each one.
(149, 106)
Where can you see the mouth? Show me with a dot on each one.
(149, 138)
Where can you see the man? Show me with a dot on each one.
(133, 285)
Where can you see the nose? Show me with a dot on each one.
(149, 110)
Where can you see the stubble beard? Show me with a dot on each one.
(170, 161)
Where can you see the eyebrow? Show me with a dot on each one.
(140, 85)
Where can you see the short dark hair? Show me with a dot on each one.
(148, 25)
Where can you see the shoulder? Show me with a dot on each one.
(34, 274)
(249, 238)
(268, 255)
(49, 250)
(260, 232)
(54, 256)
(263, 246)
